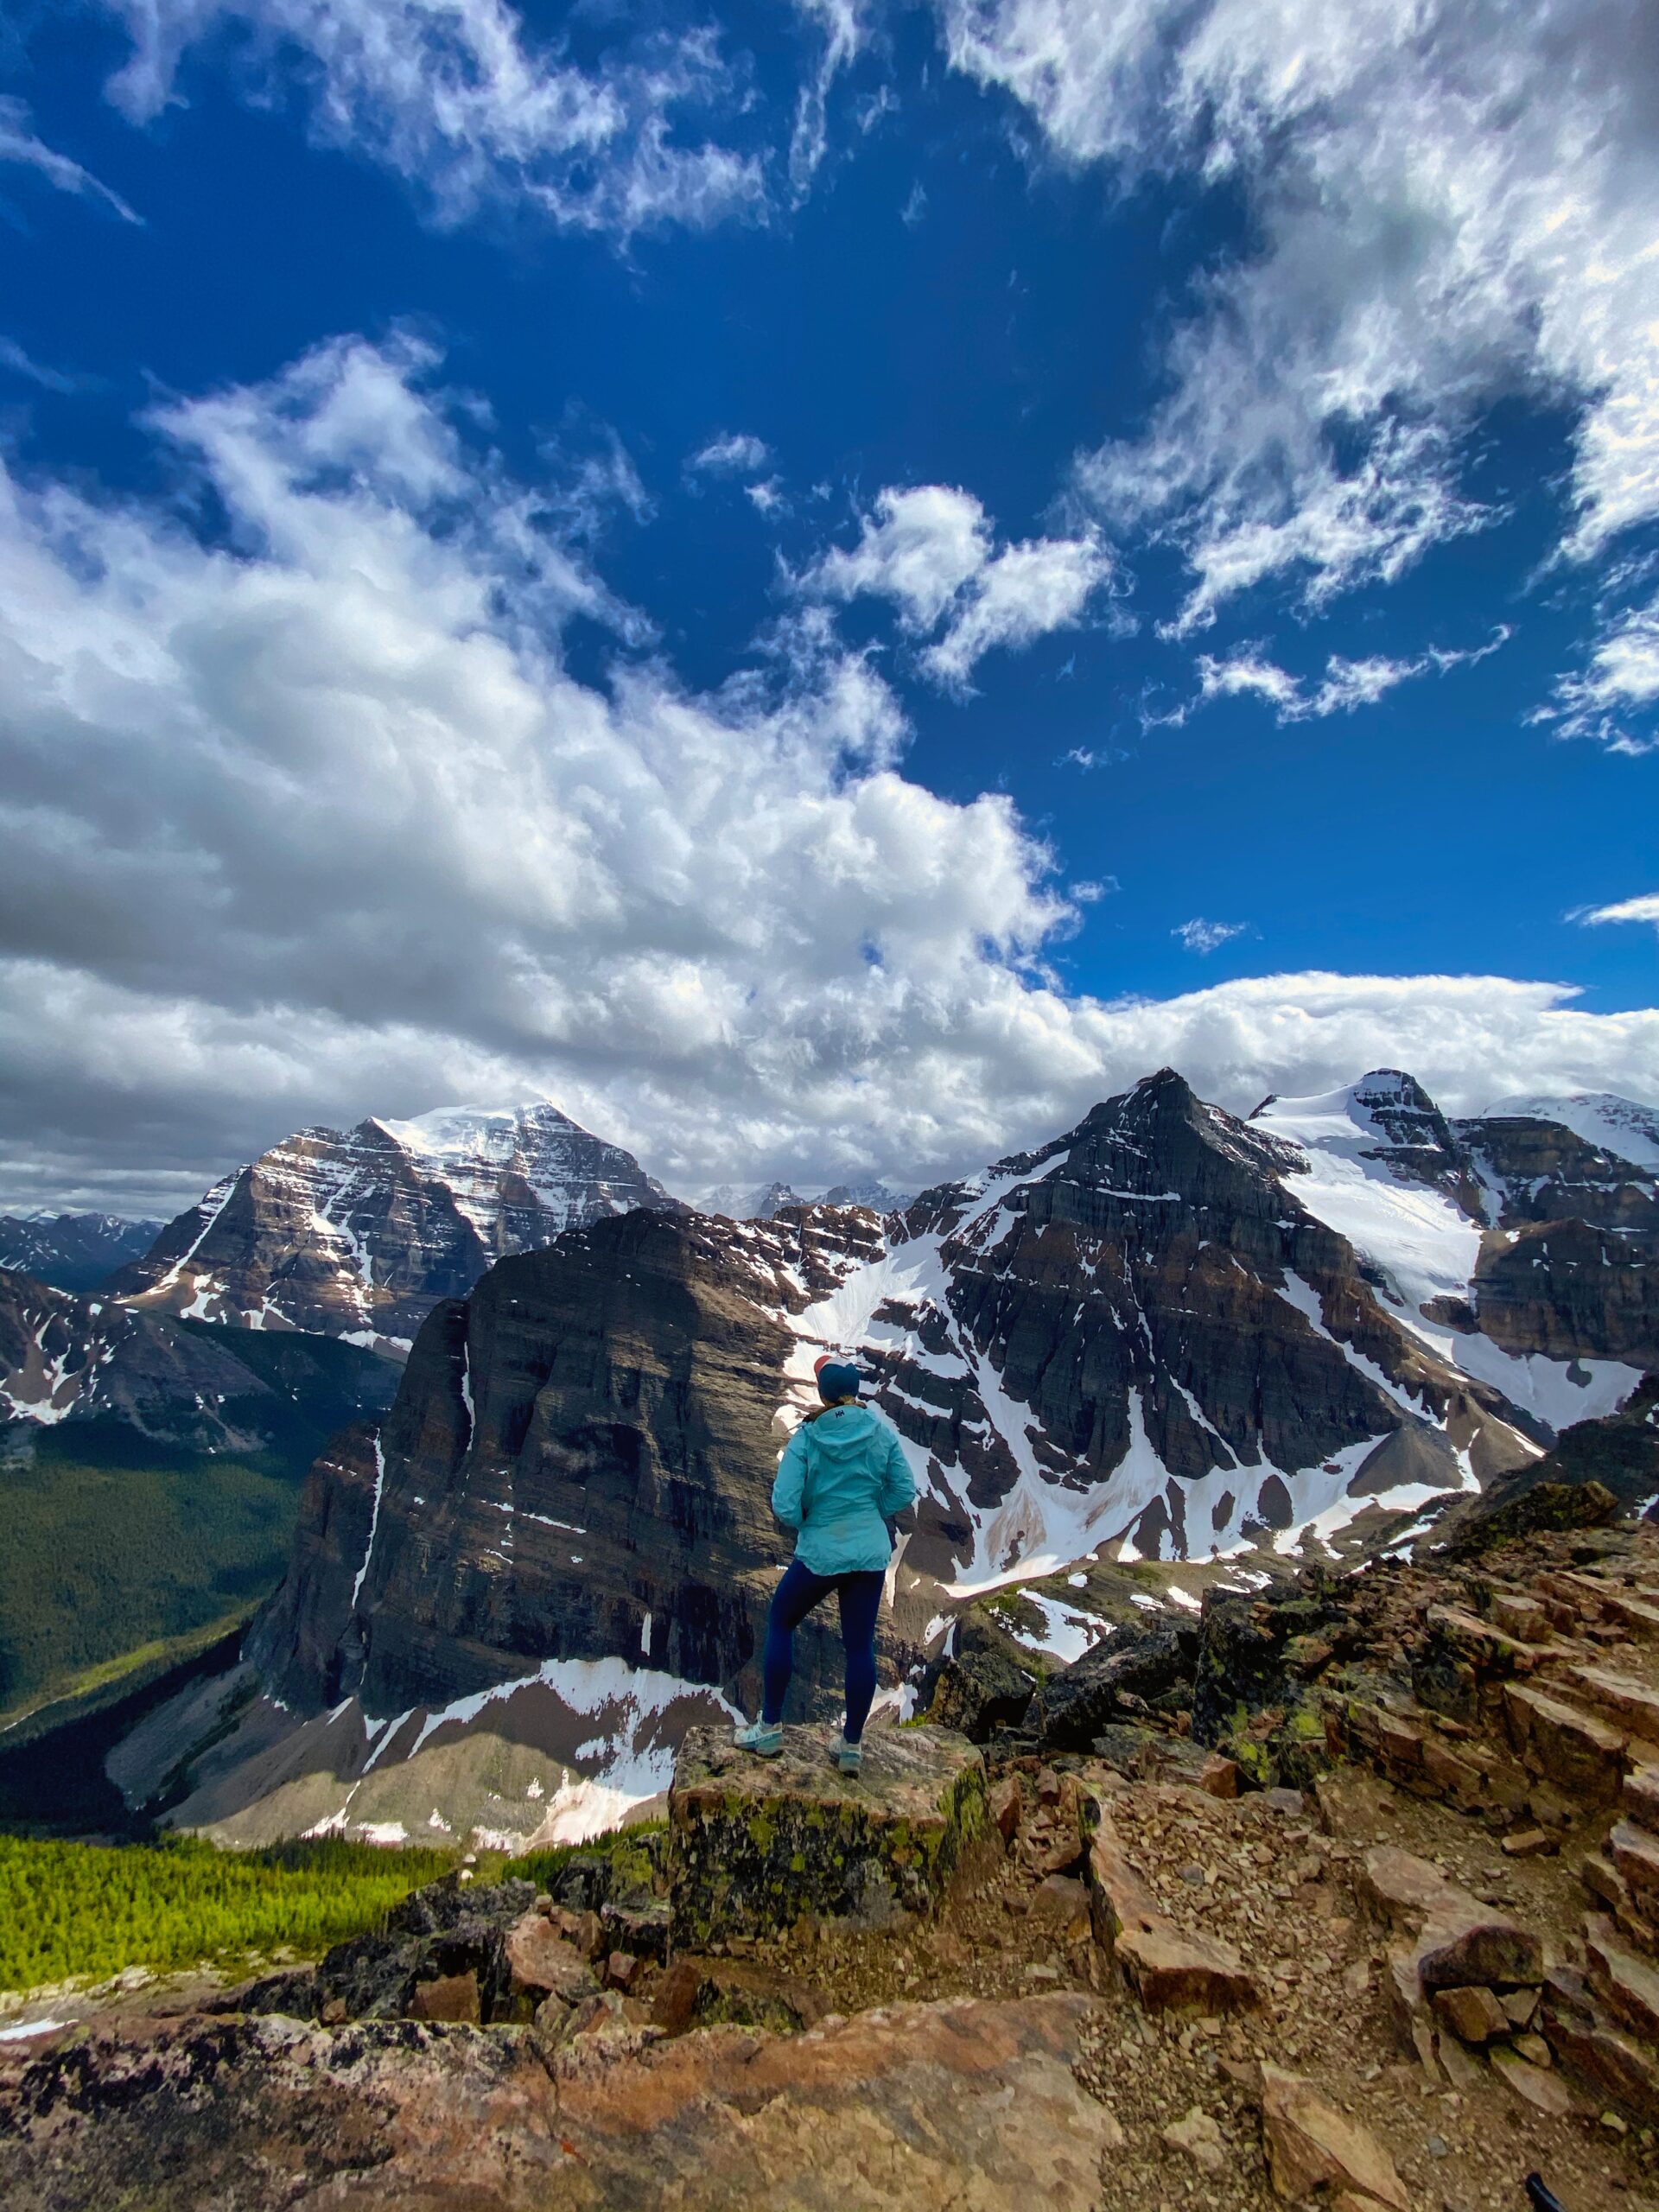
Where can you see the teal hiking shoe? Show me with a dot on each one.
(849, 1757)
(764, 1737)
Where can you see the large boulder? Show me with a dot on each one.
(756, 1844)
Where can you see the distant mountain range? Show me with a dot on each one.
(73, 1251)
(1169, 1334)
(765, 1201)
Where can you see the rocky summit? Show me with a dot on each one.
(1169, 1336)
(360, 1233)
(1354, 1906)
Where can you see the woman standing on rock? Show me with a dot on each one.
(842, 1476)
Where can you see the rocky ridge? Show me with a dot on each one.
(1160, 1971)
(360, 1233)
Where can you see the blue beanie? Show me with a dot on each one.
(837, 1379)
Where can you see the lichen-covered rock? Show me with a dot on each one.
(755, 1843)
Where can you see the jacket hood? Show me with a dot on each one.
(843, 1428)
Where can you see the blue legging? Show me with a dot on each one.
(791, 1601)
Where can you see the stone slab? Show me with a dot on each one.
(757, 1844)
(916, 2108)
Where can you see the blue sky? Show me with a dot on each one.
(531, 534)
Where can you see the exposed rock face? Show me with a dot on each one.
(1139, 1333)
(361, 1233)
(579, 1465)
(64, 1358)
(73, 1251)
(1520, 1249)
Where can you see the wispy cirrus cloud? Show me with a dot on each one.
(1346, 684)
(457, 99)
(932, 551)
(20, 143)
(731, 452)
(1610, 699)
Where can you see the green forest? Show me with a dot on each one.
(100, 1556)
(80, 1909)
(114, 1541)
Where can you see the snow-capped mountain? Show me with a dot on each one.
(1600, 1117)
(1523, 1252)
(358, 1233)
(73, 1251)
(1168, 1334)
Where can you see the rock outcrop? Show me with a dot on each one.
(913, 2109)
(360, 1233)
(759, 1844)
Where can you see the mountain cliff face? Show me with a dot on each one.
(359, 1234)
(1168, 1335)
(73, 1251)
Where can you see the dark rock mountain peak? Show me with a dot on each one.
(360, 1233)
(73, 1251)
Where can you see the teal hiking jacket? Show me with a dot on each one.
(842, 1478)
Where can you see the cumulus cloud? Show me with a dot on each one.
(20, 143)
(930, 550)
(1202, 938)
(452, 97)
(313, 820)
(1451, 204)
(1645, 908)
(732, 452)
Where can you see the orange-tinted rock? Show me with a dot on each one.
(450, 1997)
(1582, 1755)
(542, 1963)
(1314, 2151)
(1473, 2014)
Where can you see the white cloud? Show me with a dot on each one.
(1201, 936)
(1451, 203)
(452, 97)
(20, 143)
(1621, 682)
(1345, 685)
(767, 498)
(1645, 908)
(313, 821)
(732, 452)
(930, 550)
(21, 363)
(846, 29)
